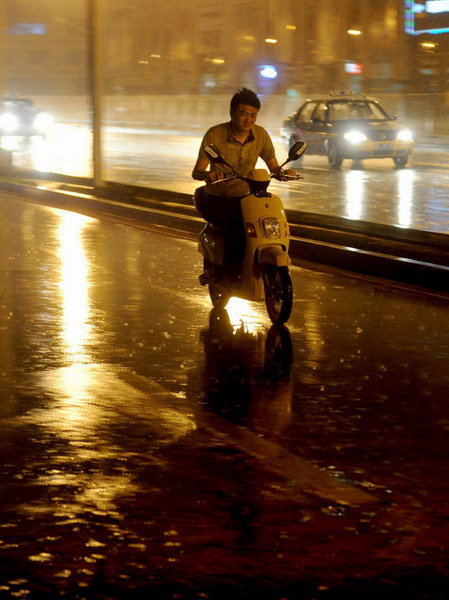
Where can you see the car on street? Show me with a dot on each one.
(20, 117)
(343, 125)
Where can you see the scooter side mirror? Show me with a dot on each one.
(214, 154)
(297, 150)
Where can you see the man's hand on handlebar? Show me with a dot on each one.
(286, 174)
(209, 176)
(216, 176)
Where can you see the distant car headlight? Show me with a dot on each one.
(8, 122)
(43, 121)
(405, 135)
(272, 227)
(355, 137)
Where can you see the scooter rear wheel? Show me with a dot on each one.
(218, 295)
(278, 293)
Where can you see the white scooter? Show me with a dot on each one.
(265, 271)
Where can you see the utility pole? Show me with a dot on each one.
(2, 46)
(95, 67)
(5, 155)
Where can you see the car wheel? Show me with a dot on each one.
(400, 161)
(333, 156)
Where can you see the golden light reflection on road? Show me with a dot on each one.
(313, 339)
(74, 285)
(72, 151)
(14, 143)
(90, 398)
(355, 193)
(89, 401)
(244, 311)
(67, 149)
(406, 178)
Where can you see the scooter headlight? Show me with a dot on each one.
(272, 227)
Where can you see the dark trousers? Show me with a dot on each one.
(225, 212)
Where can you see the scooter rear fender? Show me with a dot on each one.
(211, 244)
(273, 255)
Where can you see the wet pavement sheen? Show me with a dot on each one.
(371, 190)
(151, 447)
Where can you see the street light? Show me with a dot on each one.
(428, 45)
(96, 87)
(353, 66)
(2, 46)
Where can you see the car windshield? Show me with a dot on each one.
(344, 111)
(21, 104)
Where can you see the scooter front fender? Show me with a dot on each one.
(274, 255)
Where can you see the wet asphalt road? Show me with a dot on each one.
(370, 190)
(150, 447)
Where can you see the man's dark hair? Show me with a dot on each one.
(245, 96)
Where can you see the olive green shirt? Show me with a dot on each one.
(242, 157)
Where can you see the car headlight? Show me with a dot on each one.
(355, 137)
(42, 121)
(405, 135)
(271, 227)
(8, 122)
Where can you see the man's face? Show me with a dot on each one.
(243, 118)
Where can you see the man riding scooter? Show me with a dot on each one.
(242, 142)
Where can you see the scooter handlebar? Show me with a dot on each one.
(286, 177)
(208, 180)
(281, 177)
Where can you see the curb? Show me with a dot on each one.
(411, 257)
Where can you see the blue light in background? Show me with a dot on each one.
(426, 17)
(268, 71)
(27, 29)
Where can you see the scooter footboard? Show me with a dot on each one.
(274, 255)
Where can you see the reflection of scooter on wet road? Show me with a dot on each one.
(247, 373)
(265, 270)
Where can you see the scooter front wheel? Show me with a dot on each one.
(278, 293)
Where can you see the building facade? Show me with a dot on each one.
(213, 47)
